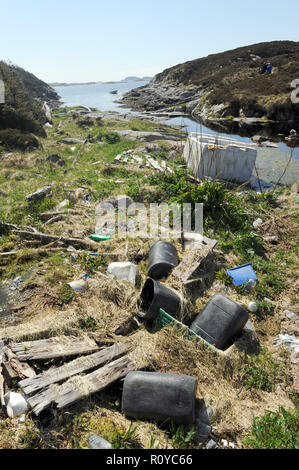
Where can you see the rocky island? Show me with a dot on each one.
(228, 86)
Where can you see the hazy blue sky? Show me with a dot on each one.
(90, 40)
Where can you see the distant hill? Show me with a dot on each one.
(127, 79)
(22, 111)
(228, 84)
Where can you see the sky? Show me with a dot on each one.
(96, 40)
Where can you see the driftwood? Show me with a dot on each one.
(79, 387)
(47, 238)
(191, 262)
(39, 194)
(53, 347)
(75, 367)
(49, 215)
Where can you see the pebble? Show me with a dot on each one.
(291, 315)
(268, 300)
(224, 442)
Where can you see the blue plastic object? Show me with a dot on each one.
(242, 274)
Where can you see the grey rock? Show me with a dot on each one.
(55, 158)
(291, 315)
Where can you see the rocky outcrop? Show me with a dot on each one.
(227, 86)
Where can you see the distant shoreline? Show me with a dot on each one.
(128, 79)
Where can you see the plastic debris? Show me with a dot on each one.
(242, 274)
(249, 286)
(257, 223)
(123, 271)
(291, 315)
(160, 396)
(203, 430)
(99, 238)
(63, 204)
(252, 306)
(291, 343)
(211, 444)
(97, 442)
(79, 286)
(15, 403)
(220, 321)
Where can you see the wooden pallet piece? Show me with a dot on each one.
(72, 368)
(72, 391)
(53, 348)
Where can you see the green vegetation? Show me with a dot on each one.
(22, 110)
(275, 430)
(260, 371)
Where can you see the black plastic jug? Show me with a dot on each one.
(162, 259)
(220, 321)
(154, 296)
(159, 396)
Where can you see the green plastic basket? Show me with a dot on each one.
(164, 319)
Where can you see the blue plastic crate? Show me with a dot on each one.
(242, 274)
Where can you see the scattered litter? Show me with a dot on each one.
(291, 343)
(155, 296)
(22, 419)
(205, 414)
(220, 321)
(211, 444)
(242, 275)
(73, 149)
(224, 442)
(273, 239)
(97, 442)
(291, 315)
(99, 238)
(15, 403)
(162, 259)
(65, 203)
(123, 271)
(257, 223)
(202, 431)
(85, 276)
(252, 306)
(79, 286)
(16, 282)
(159, 396)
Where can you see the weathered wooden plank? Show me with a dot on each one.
(81, 386)
(22, 369)
(191, 261)
(54, 347)
(75, 367)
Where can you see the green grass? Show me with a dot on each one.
(260, 371)
(275, 430)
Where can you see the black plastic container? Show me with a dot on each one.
(163, 397)
(163, 258)
(220, 321)
(154, 296)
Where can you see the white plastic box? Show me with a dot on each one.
(219, 157)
